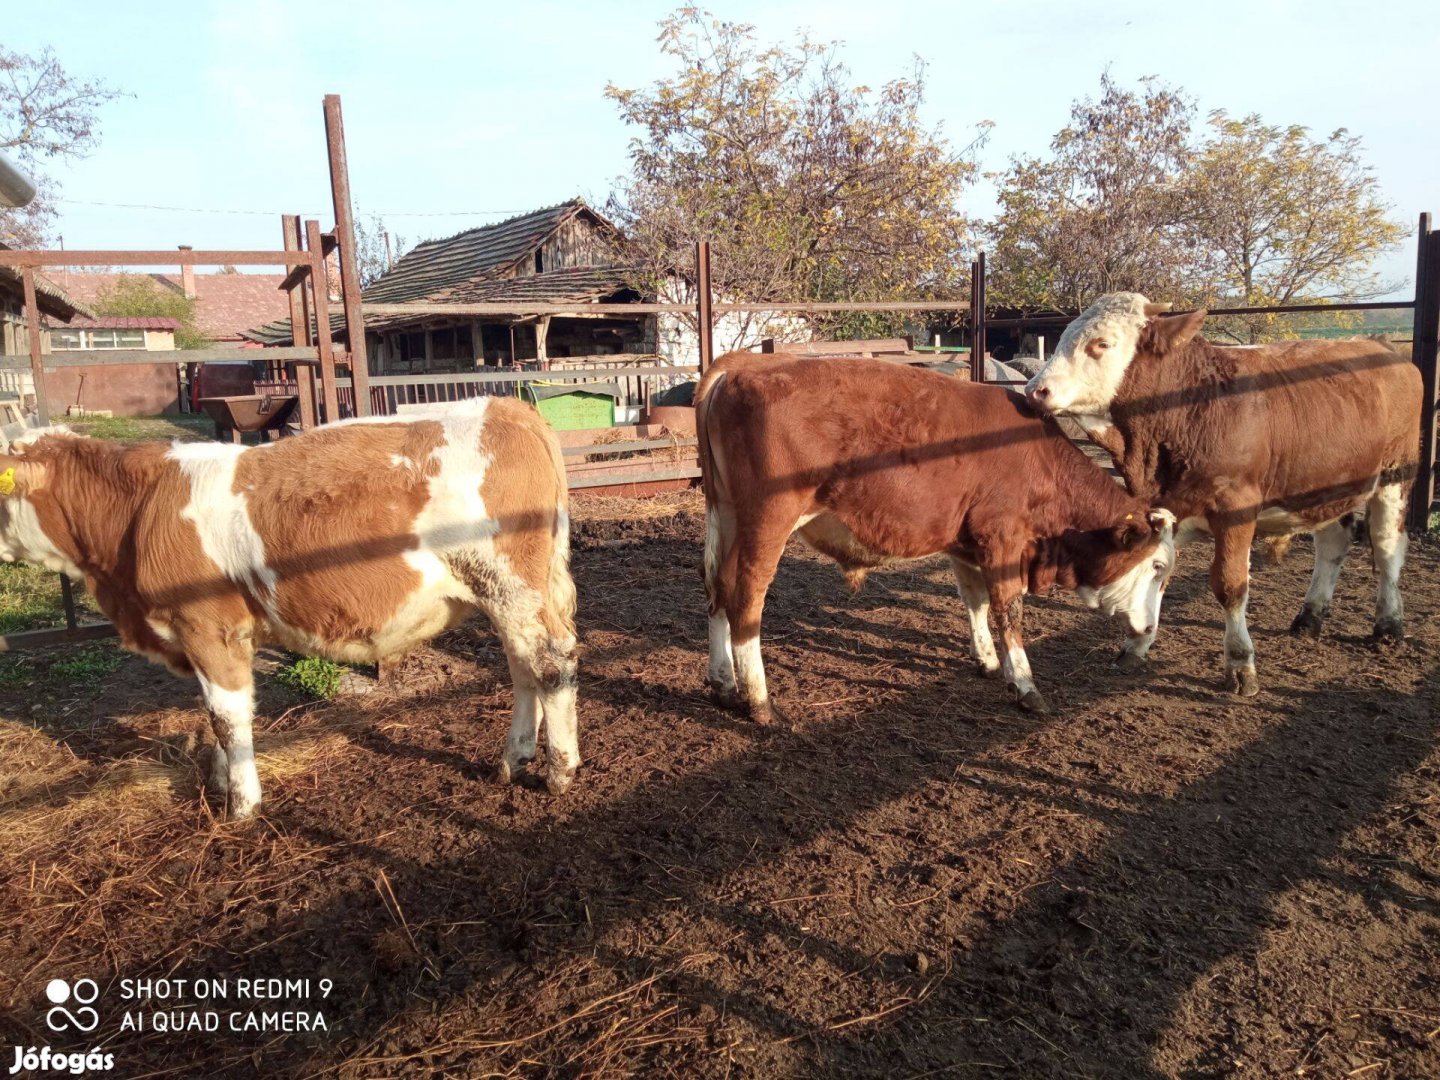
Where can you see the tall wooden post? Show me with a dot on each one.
(299, 327)
(349, 272)
(1424, 350)
(704, 306)
(32, 326)
(320, 293)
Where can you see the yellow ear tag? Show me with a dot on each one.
(7, 481)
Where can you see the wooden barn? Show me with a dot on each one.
(559, 255)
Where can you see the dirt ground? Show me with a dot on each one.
(910, 879)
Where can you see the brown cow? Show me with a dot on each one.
(1271, 440)
(873, 463)
(355, 541)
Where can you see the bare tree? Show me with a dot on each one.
(376, 247)
(45, 114)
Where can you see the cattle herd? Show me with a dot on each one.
(361, 539)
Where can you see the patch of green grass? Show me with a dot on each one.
(88, 664)
(189, 427)
(312, 677)
(30, 598)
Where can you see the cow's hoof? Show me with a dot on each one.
(1131, 663)
(511, 769)
(558, 781)
(727, 697)
(983, 672)
(1033, 701)
(1243, 682)
(1389, 629)
(241, 809)
(1307, 624)
(764, 713)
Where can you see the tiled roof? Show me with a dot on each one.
(438, 266)
(123, 322)
(226, 304)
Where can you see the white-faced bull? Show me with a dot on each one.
(1297, 436)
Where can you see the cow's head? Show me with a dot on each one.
(1131, 570)
(24, 471)
(1084, 373)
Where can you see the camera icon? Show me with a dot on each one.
(83, 994)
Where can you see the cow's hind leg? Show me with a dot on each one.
(1230, 582)
(757, 555)
(1331, 543)
(719, 544)
(977, 602)
(1386, 522)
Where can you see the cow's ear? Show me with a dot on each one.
(1163, 335)
(1132, 532)
(18, 476)
(1160, 520)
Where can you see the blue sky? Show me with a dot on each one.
(499, 108)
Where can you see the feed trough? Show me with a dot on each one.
(236, 415)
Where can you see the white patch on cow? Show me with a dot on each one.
(1017, 670)
(236, 709)
(805, 519)
(222, 519)
(1075, 383)
(1136, 594)
(721, 672)
(162, 630)
(750, 672)
(22, 538)
(1239, 649)
(1385, 520)
(971, 583)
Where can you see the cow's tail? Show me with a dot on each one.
(717, 496)
(561, 586)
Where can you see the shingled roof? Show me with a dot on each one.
(434, 269)
(49, 297)
(579, 285)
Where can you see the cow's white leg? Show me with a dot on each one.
(1230, 582)
(232, 713)
(1388, 542)
(558, 688)
(720, 675)
(1007, 598)
(755, 554)
(1331, 543)
(524, 718)
(543, 672)
(977, 602)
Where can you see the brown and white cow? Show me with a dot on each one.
(355, 541)
(873, 463)
(1238, 441)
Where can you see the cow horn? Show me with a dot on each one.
(1151, 310)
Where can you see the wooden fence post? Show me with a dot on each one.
(1424, 350)
(349, 272)
(299, 327)
(32, 327)
(320, 293)
(704, 306)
